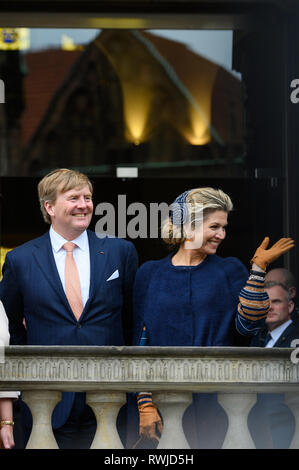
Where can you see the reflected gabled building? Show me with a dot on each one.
(132, 98)
(71, 100)
(265, 50)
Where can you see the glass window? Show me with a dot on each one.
(166, 102)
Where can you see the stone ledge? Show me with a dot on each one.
(209, 369)
(151, 351)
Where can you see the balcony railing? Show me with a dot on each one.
(171, 373)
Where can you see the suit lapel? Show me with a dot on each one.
(98, 252)
(44, 258)
(283, 337)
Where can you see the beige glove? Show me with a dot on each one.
(149, 421)
(263, 257)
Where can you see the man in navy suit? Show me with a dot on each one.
(34, 296)
(270, 421)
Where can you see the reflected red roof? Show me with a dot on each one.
(46, 71)
(189, 66)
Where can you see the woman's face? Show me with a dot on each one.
(208, 237)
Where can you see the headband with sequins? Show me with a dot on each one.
(179, 214)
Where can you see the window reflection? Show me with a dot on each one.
(95, 100)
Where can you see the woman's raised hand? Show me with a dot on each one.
(263, 256)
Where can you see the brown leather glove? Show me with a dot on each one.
(263, 257)
(149, 421)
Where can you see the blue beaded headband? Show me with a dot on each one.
(179, 214)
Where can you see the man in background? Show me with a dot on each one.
(270, 421)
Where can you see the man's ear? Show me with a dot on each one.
(291, 306)
(49, 208)
(292, 291)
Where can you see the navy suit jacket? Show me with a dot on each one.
(285, 339)
(31, 288)
(270, 421)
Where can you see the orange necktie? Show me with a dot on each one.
(72, 281)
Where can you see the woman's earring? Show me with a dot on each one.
(189, 238)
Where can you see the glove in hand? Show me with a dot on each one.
(149, 421)
(263, 256)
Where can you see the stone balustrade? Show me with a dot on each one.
(171, 373)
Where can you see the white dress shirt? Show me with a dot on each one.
(4, 333)
(81, 256)
(4, 341)
(276, 333)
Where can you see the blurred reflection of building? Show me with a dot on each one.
(12, 72)
(131, 98)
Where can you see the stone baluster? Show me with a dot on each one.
(292, 401)
(237, 407)
(172, 406)
(41, 404)
(106, 406)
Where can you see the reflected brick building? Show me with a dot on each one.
(261, 174)
(131, 97)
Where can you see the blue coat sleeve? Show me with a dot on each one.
(236, 274)
(142, 280)
(131, 265)
(12, 299)
(253, 301)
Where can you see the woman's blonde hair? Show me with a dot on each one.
(60, 180)
(200, 203)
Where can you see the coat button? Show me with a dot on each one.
(79, 325)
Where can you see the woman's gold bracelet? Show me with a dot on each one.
(6, 422)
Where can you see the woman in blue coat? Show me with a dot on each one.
(195, 298)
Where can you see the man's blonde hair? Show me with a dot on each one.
(60, 180)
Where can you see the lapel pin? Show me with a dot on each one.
(101, 252)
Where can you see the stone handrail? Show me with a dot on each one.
(106, 373)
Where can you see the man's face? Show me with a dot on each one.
(280, 307)
(71, 212)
